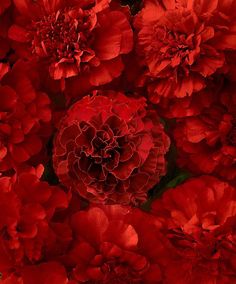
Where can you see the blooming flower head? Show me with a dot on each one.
(27, 207)
(110, 148)
(183, 43)
(206, 142)
(199, 223)
(25, 116)
(109, 249)
(74, 37)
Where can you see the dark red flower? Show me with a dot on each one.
(75, 38)
(206, 142)
(25, 115)
(199, 223)
(183, 43)
(109, 249)
(26, 227)
(110, 148)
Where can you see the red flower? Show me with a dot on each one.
(84, 38)
(206, 143)
(109, 249)
(110, 148)
(184, 43)
(25, 116)
(27, 207)
(199, 223)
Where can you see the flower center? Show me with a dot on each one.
(62, 35)
(171, 43)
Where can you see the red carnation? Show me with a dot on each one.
(199, 225)
(25, 115)
(109, 249)
(184, 42)
(110, 148)
(74, 38)
(206, 143)
(26, 229)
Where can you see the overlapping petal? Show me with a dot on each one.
(110, 148)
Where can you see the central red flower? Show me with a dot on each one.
(76, 39)
(110, 148)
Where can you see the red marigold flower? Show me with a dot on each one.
(206, 142)
(27, 207)
(25, 115)
(110, 148)
(74, 37)
(184, 42)
(199, 223)
(109, 249)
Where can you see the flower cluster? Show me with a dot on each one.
(117, 141)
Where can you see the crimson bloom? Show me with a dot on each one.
(199, 223)
(183, 43)
(74, 38)
(110, 148)
(206, 142)
(25, 115)
(27, 207)
(109, 249)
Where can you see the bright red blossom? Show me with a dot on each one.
(27, 206)
(109, 249)
(199, 223)
(75, 38)
(25, 115)
(206, 142)
(183, 44)
(110, 148)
